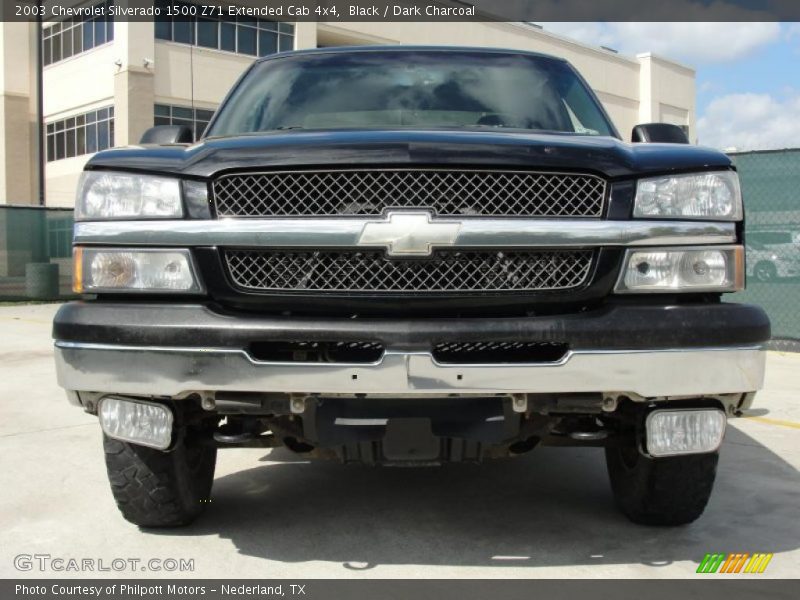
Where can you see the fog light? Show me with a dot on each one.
(137, 422)
(675, 432)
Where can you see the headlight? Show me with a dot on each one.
(697, 269)
(714, 195)
(134, 270)
(109, 195)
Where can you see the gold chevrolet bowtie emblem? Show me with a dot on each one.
(409, 233)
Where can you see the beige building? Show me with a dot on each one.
(105, 83)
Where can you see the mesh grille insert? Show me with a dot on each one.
(499, 352)
(444, 192)
(373, 271)
(329, 352)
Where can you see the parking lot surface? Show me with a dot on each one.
(274, 515)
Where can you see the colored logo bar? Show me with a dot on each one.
(736, 562)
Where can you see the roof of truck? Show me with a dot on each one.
(378, 48)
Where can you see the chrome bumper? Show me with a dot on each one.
(166, 371)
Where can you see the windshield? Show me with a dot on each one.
(416, 89)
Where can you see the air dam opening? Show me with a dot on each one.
(499, 352)
(325, 352)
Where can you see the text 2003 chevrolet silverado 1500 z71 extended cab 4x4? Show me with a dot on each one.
(410, 256)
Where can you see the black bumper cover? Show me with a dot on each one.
(615, 326)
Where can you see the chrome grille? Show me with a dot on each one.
(373, 271)
(444, 192)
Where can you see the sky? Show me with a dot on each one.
(748, 74)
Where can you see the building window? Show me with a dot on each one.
(243, 35)
(81, 134)
(79, 34)
(181, 115)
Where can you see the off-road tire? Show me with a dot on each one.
(160, 489)
(661, 491)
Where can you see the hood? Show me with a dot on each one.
(604, 156)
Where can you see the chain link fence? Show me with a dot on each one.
(35, 244)
(771, 189)
(35, 253)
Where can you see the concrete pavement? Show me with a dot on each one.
(548, 514)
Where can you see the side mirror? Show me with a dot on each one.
(659, 133)
(167, 134)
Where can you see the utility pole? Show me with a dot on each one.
(40, 128)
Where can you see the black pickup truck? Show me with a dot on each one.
(410, 256)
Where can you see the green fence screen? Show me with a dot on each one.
(35, 253)
(771, 189)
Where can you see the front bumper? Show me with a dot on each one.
(175, 350)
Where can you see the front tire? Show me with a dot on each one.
(661, 491)
(153, 488)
